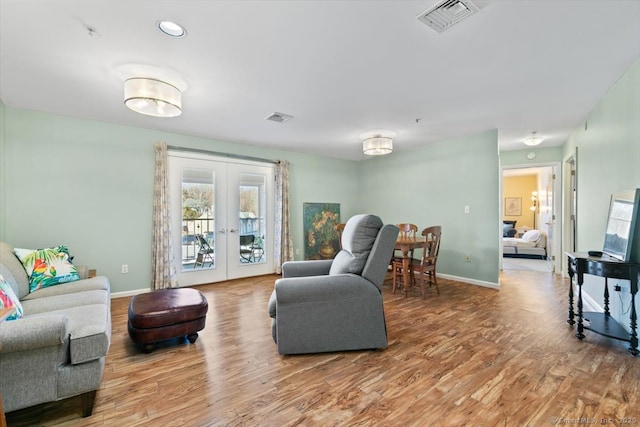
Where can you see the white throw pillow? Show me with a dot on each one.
(531, 235)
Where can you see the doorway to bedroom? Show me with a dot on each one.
(528, 218)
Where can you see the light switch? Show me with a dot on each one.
(466, 209)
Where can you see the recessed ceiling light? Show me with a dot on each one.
(172, 29)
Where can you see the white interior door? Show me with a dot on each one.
(223, 218)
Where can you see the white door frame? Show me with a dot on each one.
(569, 203)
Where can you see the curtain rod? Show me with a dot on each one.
(218, 153)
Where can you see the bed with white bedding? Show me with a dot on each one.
(533, 244)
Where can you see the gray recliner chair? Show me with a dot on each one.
(336, 305)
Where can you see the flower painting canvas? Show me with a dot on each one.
(321, 239)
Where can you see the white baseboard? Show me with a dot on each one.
(588, 303)
(470, 281)
(129, 293)
(444, 276)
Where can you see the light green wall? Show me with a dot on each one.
(608, 156)
(3, 172)
(608, 161)
(431, 186)
(89, 185)
(519, 157)
(320, 179)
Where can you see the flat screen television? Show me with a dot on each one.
(623, 213)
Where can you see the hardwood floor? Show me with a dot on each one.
(469, 356)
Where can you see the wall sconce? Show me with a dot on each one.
(534, 200)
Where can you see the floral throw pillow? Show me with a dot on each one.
(47, 267)
(9, 299)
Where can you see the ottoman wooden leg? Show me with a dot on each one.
(192, 337)
(147, 348)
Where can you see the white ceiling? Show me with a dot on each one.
(339, 67)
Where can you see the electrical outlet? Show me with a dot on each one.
(622, 287)
(467, 258)
(125, 268)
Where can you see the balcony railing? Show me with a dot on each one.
(206, 227)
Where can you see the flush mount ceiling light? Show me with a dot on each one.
(533, 139)
(172, 29)
(152, 97)
(377, 142)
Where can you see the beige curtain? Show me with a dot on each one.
(283, 242)
(161, 270)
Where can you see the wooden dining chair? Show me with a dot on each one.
(396, 271)
(340, 229)
(426, 266)
(407, 230)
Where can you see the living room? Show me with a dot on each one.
(88, 183)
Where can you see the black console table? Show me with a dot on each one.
(602, 323)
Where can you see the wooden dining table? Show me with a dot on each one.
(406, 244)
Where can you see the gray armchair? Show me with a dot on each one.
(336, 305)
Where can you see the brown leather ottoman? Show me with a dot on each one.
(166, 313)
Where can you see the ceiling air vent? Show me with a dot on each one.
(447, 13)
(279, 117)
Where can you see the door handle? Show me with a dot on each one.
(222, 231)
(232, 230)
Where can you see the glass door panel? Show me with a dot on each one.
(198, 192)
(252, 190)
(198, 223)
(251, 202)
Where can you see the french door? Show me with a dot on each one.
(222, 214)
